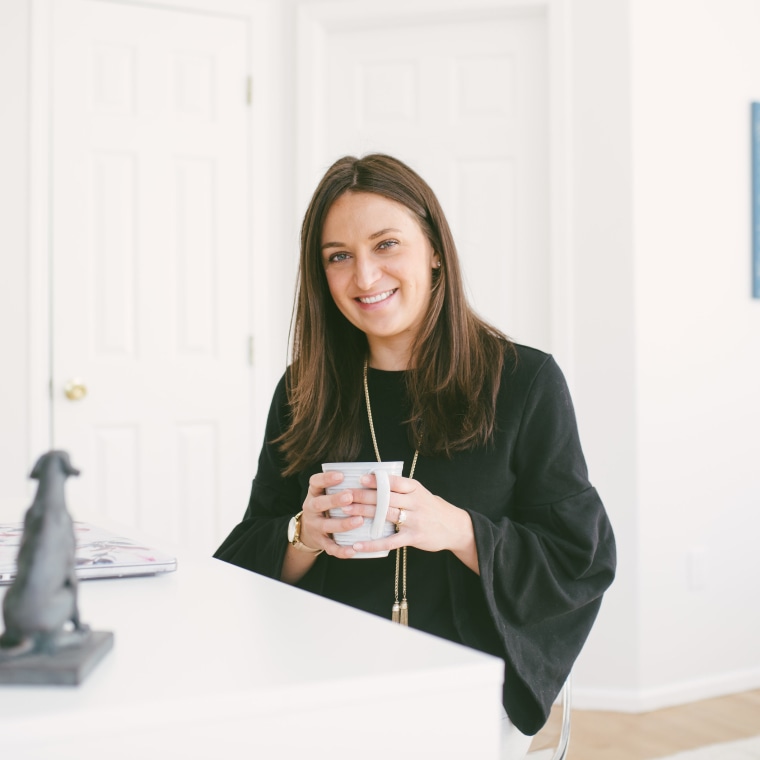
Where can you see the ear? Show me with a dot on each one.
(66, 465)
(37, 469)
(436, 261)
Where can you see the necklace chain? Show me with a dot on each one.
(400, 613)
(372, 424)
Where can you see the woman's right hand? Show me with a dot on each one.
(317, 526)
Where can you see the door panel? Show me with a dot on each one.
(465, 102)
(150, 265)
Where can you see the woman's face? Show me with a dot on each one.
(379, 267)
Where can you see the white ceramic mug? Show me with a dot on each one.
(378, 527)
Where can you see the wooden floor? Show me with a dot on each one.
(622, 736)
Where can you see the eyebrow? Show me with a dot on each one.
(373, 236)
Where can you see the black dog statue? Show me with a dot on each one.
(40, 610)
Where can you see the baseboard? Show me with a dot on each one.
(645, 700)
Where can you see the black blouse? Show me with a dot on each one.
(545, 546)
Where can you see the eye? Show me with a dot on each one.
(336, 258)
(386, 244)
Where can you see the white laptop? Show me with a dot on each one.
(100, 553)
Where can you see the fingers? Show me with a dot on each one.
(318, 532)
(356, 507)
(396, 515)
(321, 481)
(396, 541)
(317, 526)
(398, 483)
(341, 524)
(317, 500)
(325, 515)
(342, 552)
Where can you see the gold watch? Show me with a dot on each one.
(294, 536)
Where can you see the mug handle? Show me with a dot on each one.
(383, 502)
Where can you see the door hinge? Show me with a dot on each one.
(250, 350)
(249, 90)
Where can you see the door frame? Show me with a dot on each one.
(41, 330)
(284, 48)
(315, 19)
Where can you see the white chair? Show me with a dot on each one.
(562, 706)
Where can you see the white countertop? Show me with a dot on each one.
(213, 659)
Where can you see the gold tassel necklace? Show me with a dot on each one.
(400, 610)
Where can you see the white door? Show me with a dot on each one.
(149, 250)
(464, 100)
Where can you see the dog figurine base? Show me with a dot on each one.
(44, 639)
(68, 666)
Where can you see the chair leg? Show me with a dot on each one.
(564, 738)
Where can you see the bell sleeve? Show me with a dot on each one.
(546, 563)
(258, 543)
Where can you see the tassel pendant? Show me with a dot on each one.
(400, 611)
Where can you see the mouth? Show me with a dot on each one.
(377, 298)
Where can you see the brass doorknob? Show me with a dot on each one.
(75, 390)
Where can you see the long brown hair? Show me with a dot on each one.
(458, 361)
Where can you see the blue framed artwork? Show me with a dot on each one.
(755, 127)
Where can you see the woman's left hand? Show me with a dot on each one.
(429, 522)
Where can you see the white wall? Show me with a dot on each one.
(665, 338)
(696, 67)
(667, 341)
(604, 328)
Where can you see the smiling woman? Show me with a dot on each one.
(504, 542)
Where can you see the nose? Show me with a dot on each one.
(367, 272)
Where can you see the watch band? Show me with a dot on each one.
(294, 536)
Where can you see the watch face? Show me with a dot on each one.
(292, 529)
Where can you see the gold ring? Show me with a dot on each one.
(401, 517)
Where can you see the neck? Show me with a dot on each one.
(390, 358)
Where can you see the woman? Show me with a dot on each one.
(504, 543)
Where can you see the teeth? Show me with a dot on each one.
(378, 298)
